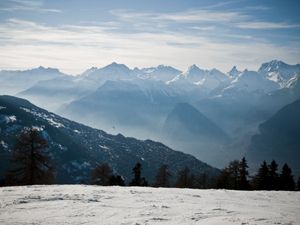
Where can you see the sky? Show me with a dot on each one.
(75, 35)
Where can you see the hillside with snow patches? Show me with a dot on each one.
(79, 204)
(76, 149)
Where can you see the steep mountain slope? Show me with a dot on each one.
(12, 82)
(186, 122)
(188, 129)
(76, 148)
(279, 138)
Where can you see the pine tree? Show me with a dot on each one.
(286, 179)
(203, 181)
(116, 180)
(273, 176)
(298, 184)
(102, 174)
(183, 179)
(138, 180)
(261, 179)
(162, 177)
(32, 160)
(229, 177)
(243, 174)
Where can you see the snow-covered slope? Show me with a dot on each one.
(79, 204)
(161, 72)
(279, 71)
(251, 81)
(207, 80)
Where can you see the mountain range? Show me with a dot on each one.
(138, 102)
(76, 148)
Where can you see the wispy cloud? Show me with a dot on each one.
(266, 25)
(27, 5)
(188, 16)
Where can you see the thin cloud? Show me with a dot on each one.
(27, 5)
(189, 16)
(266, 25)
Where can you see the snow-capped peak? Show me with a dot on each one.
(234, 72)
(195, 73)
(279, 71)
(272, 66)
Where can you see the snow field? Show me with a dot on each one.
(81, 204)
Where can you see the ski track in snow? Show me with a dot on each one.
(81, 204)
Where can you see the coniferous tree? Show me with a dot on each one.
(229, 177)
(162, 178)
(286, 179)
(273, 176)
(183, 179)
(243, 174)
(203, 181)
(32, 160)
(102, 174)
(138, 180)
(298, 184)
(261, 179)
(116, 180)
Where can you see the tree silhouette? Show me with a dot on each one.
(101, 175)
(273, 176)
(229, 176)
(261, 179)
(287, 182)
(162, 177)
(32, 160)
(184, 179)
(243, 174)
(138, 180)
(298, 184)
(116, 180)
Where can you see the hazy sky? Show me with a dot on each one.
(74, 35)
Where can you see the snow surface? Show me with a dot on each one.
(80, 204)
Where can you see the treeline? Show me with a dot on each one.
(236, 177)
(32, 165)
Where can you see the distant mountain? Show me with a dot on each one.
(12, 82)
(186, 122)
(188, 129)
(234, 72)
(58, 91)
(278, 138)
(113, 71)
(124, 105)
(251, 81)
(207, 80)
(279, 71)
(161, 72)
(76, 148)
